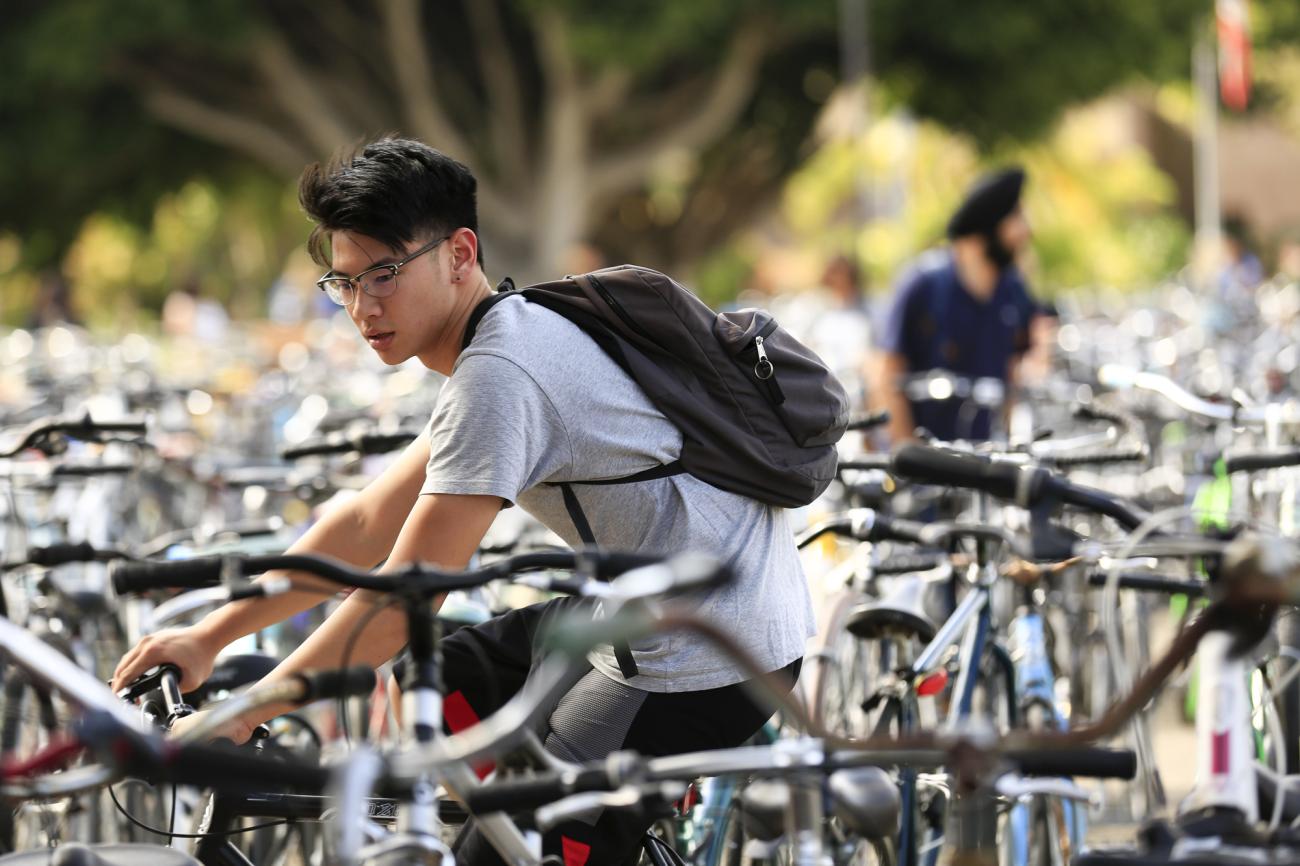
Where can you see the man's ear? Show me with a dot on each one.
(464, 253)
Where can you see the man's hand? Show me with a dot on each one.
(238, 731)
(187, 648)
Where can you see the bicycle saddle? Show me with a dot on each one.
(76, 854)
(901, 610)
(866, 802)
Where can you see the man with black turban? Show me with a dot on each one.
(964, 309)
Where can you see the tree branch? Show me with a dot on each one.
(712, 116)
(608, 91)
(563, 193)
(300, 96)
(408, 52)
(227, 128)
(506, 121)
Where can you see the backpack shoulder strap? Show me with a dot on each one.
(505, 290)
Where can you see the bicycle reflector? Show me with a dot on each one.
(932, 684)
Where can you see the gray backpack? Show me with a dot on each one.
(759, 412)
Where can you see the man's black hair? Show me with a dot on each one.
(395, 190)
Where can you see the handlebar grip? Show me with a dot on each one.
(896, 529)
(1087, 761)
(519, 795)
(62, 553)
(131, 577)
(869, 422)
(90, 470)
(1259, 460)
(611, 565)
(866, 463)
(946, 468)
(315, 448)
(88, 425)
(344, 682)
(1068, 461)
(1152, 583)
(382, 443)
(226, 768)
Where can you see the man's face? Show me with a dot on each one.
(412, 321)
(1014, 232)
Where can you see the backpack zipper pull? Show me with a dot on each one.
(763, 369)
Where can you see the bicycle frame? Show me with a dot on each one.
(1036, 688)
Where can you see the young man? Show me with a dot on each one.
(965, 309)
(531, 401)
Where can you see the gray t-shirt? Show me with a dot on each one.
(532, 400)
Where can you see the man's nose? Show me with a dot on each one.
(365, 306)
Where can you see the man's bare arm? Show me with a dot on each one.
(890, 369)
(360, 532)
(442, 530)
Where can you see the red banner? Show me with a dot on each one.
(1233, 24)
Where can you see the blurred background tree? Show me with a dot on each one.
(651, 131)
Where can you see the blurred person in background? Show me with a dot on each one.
(1241, 272)
(53, 305)
(840, 329)
(1288, 258)
(964, 309)
(187, 315)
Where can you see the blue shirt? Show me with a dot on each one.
(934, 323)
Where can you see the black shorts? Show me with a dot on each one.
(485, 665)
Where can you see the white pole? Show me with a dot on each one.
(1208, 243)
(855, 66)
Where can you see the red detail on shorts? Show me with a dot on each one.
(575, 853)
(459, 715)
(1219, 754)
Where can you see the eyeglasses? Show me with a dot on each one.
(377, 282)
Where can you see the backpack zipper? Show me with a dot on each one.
(765, 370)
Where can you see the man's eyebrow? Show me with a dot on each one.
(377, 263)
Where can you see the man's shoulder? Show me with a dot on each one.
(931, 268)
(518, 330)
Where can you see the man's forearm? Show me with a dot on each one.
(901, 426)
(337, 535)
(338, 643)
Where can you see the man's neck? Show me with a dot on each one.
(977, 275)
(442, 359)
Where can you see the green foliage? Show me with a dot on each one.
(83, 159)
(77, 140)
(1001, 70)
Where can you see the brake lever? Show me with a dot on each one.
(147, 682)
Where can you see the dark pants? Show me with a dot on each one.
(485, 665)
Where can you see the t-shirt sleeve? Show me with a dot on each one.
(494, 432)
(899, 324)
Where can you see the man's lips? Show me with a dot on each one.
(379, 339)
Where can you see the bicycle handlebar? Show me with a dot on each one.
(135, 577)
(360, 443)
(1255, 461)
(85, 427)
(1130, 427)
(869, 422)
(1027, 486)
(1086, 761)
(1120, 377)
(865, 524)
